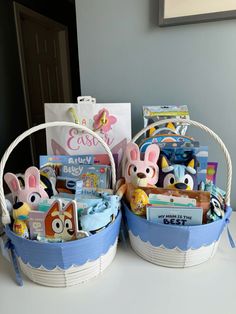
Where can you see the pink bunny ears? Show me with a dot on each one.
(142, 172)
(32, 191)
(151, 154)
(32, 180)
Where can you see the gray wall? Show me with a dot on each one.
(125, 57)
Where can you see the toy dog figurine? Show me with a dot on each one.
(61, 223)
(20, 215)
(139, 173)
(177, 176)
(31, 193)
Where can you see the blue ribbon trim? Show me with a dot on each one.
(123, 233)
(66, 254)
(231, 241)
(10, 247)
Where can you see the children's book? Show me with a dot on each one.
(100, 159)
(48, 160)
(181, 216)
(93, 176)
(57, 161)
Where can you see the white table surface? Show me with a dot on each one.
(132, 285)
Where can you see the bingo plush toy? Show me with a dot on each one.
(178, 176)
(139, 173)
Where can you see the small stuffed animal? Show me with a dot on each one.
(139, 173)
(31, 193)
(20, 216)
(177, 176)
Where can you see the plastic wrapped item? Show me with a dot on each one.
(153, 114)
(217, 202)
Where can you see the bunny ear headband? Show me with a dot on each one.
(151, 154)
(132, 152)
(32, 180)
(12, 182)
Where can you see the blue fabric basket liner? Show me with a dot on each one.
(182, 237)
(67, 254)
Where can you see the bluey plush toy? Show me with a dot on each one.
(178, 176)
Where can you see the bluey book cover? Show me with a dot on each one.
(47, 160)
(93, 176)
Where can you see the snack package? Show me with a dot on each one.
(153, 114)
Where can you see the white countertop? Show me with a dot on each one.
(132, 285)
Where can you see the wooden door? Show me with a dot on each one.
(43, 48)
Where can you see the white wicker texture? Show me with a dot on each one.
(74, 275)
(175, 257)
(5, 213)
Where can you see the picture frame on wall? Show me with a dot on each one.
(178, 12)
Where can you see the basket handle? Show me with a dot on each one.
(5, 213)
(211, 133)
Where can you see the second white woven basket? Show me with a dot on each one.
(178, 246)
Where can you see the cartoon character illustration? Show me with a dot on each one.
(61, 223)
(216, 209)
(177, 176)
(90, 180)
(217, 202)
(139, 173)
(20, 215)
(31, 193)
(142, 172)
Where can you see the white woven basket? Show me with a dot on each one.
(104, 242)
(145, 244)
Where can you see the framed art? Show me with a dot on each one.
(177, 12)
